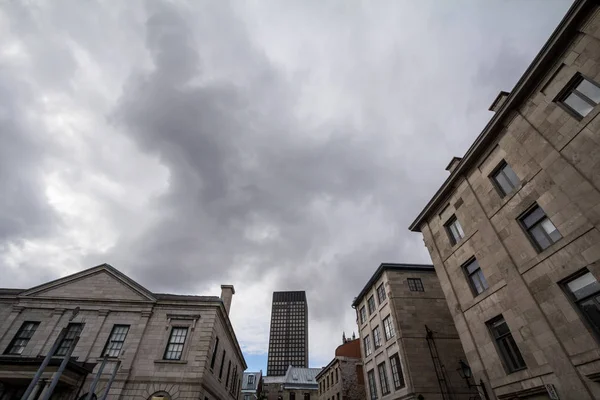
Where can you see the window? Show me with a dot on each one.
(368, 349)
(371, 304)
(177, 338)
(454, 230)
(383, 379)
(115, 341)
(505, 179)
(250, 379)
(24, 334)
(509, 352)
(584, 289)
(73, 330)
(214, 354)
(337, 378)
(380, 293)
(372, 385)
(227, 376)
(306, 396)
(476, 278)
(415, 285)
(363, 315)
(397, 372)
(377, 337)
(540, 229)
(292, 395)
(388, 328)
(222, 364)
(580, 96)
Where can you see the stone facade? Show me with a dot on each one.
(554, 153)
(342, 378)
(101, 298)
(417, 336)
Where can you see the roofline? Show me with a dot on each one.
(325, 368)
(501, 95)
(536, 70)
(390, 266)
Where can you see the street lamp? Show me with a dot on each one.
(466, 373)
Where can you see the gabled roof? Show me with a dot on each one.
(144, 293)
(298, 376)
(537, 70)
(390, 266)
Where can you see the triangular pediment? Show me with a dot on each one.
(101, 283)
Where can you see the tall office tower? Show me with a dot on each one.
(288, 342)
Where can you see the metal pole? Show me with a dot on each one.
(44, 364)
(110, 381)
(60, 370)
(96, 378)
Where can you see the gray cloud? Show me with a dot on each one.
(271, 145)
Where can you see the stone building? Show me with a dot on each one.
(514, 231)
(252, 385)
(410, 346)
(165, 346)
(298, 383)
(343, 377)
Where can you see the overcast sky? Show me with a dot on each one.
(272, 145)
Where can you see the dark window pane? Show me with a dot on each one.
(592, 312)
(510, 174)
(503, 182)
(533, 217)
(540, 237)
(578, 104)
(590, 90)
(472, 266)
(583, 286)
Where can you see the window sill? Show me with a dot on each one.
(483, 295)
(381, 305)
(457, 246)
(170, 361)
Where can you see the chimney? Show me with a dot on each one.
(227, 292)
(499, 101)
(453, 163)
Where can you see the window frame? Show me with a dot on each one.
(363, 314)
(384, 383)
(369, 305)
(454, 240)
(502, 351)
(173, 328)
(214, 355)
(500, 170)
(570, 88)
(397, 372)
(18, 337)
(389, 324)
(372, 384)
(381, 296)
(377, 337)
(250, 381)
(575, 302)
(66, 338)
(367, 343)
(469, 276)
(415, 284)
(527, 230)
(109, 341)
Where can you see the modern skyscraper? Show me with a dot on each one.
(288, 342)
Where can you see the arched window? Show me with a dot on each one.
(160, 396)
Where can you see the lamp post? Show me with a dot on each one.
(465, 372)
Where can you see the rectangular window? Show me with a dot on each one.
(115, 341)
(415, 285)
(397, 374)
(176, 342)
(388, 328)
(584, 290)
(222, 364)
(73, 330)
(227, 376)
(377, 337)
(363, 315)
(580, 96)
(371, 304)
(540, 229)
(368, 349)
(250, 379)
(380, 293)
(372, 384)
(24, 334)
(454, 230)
(475, 276)
(383, 379)
(214, 354)
(505, 179)
(509, 352)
